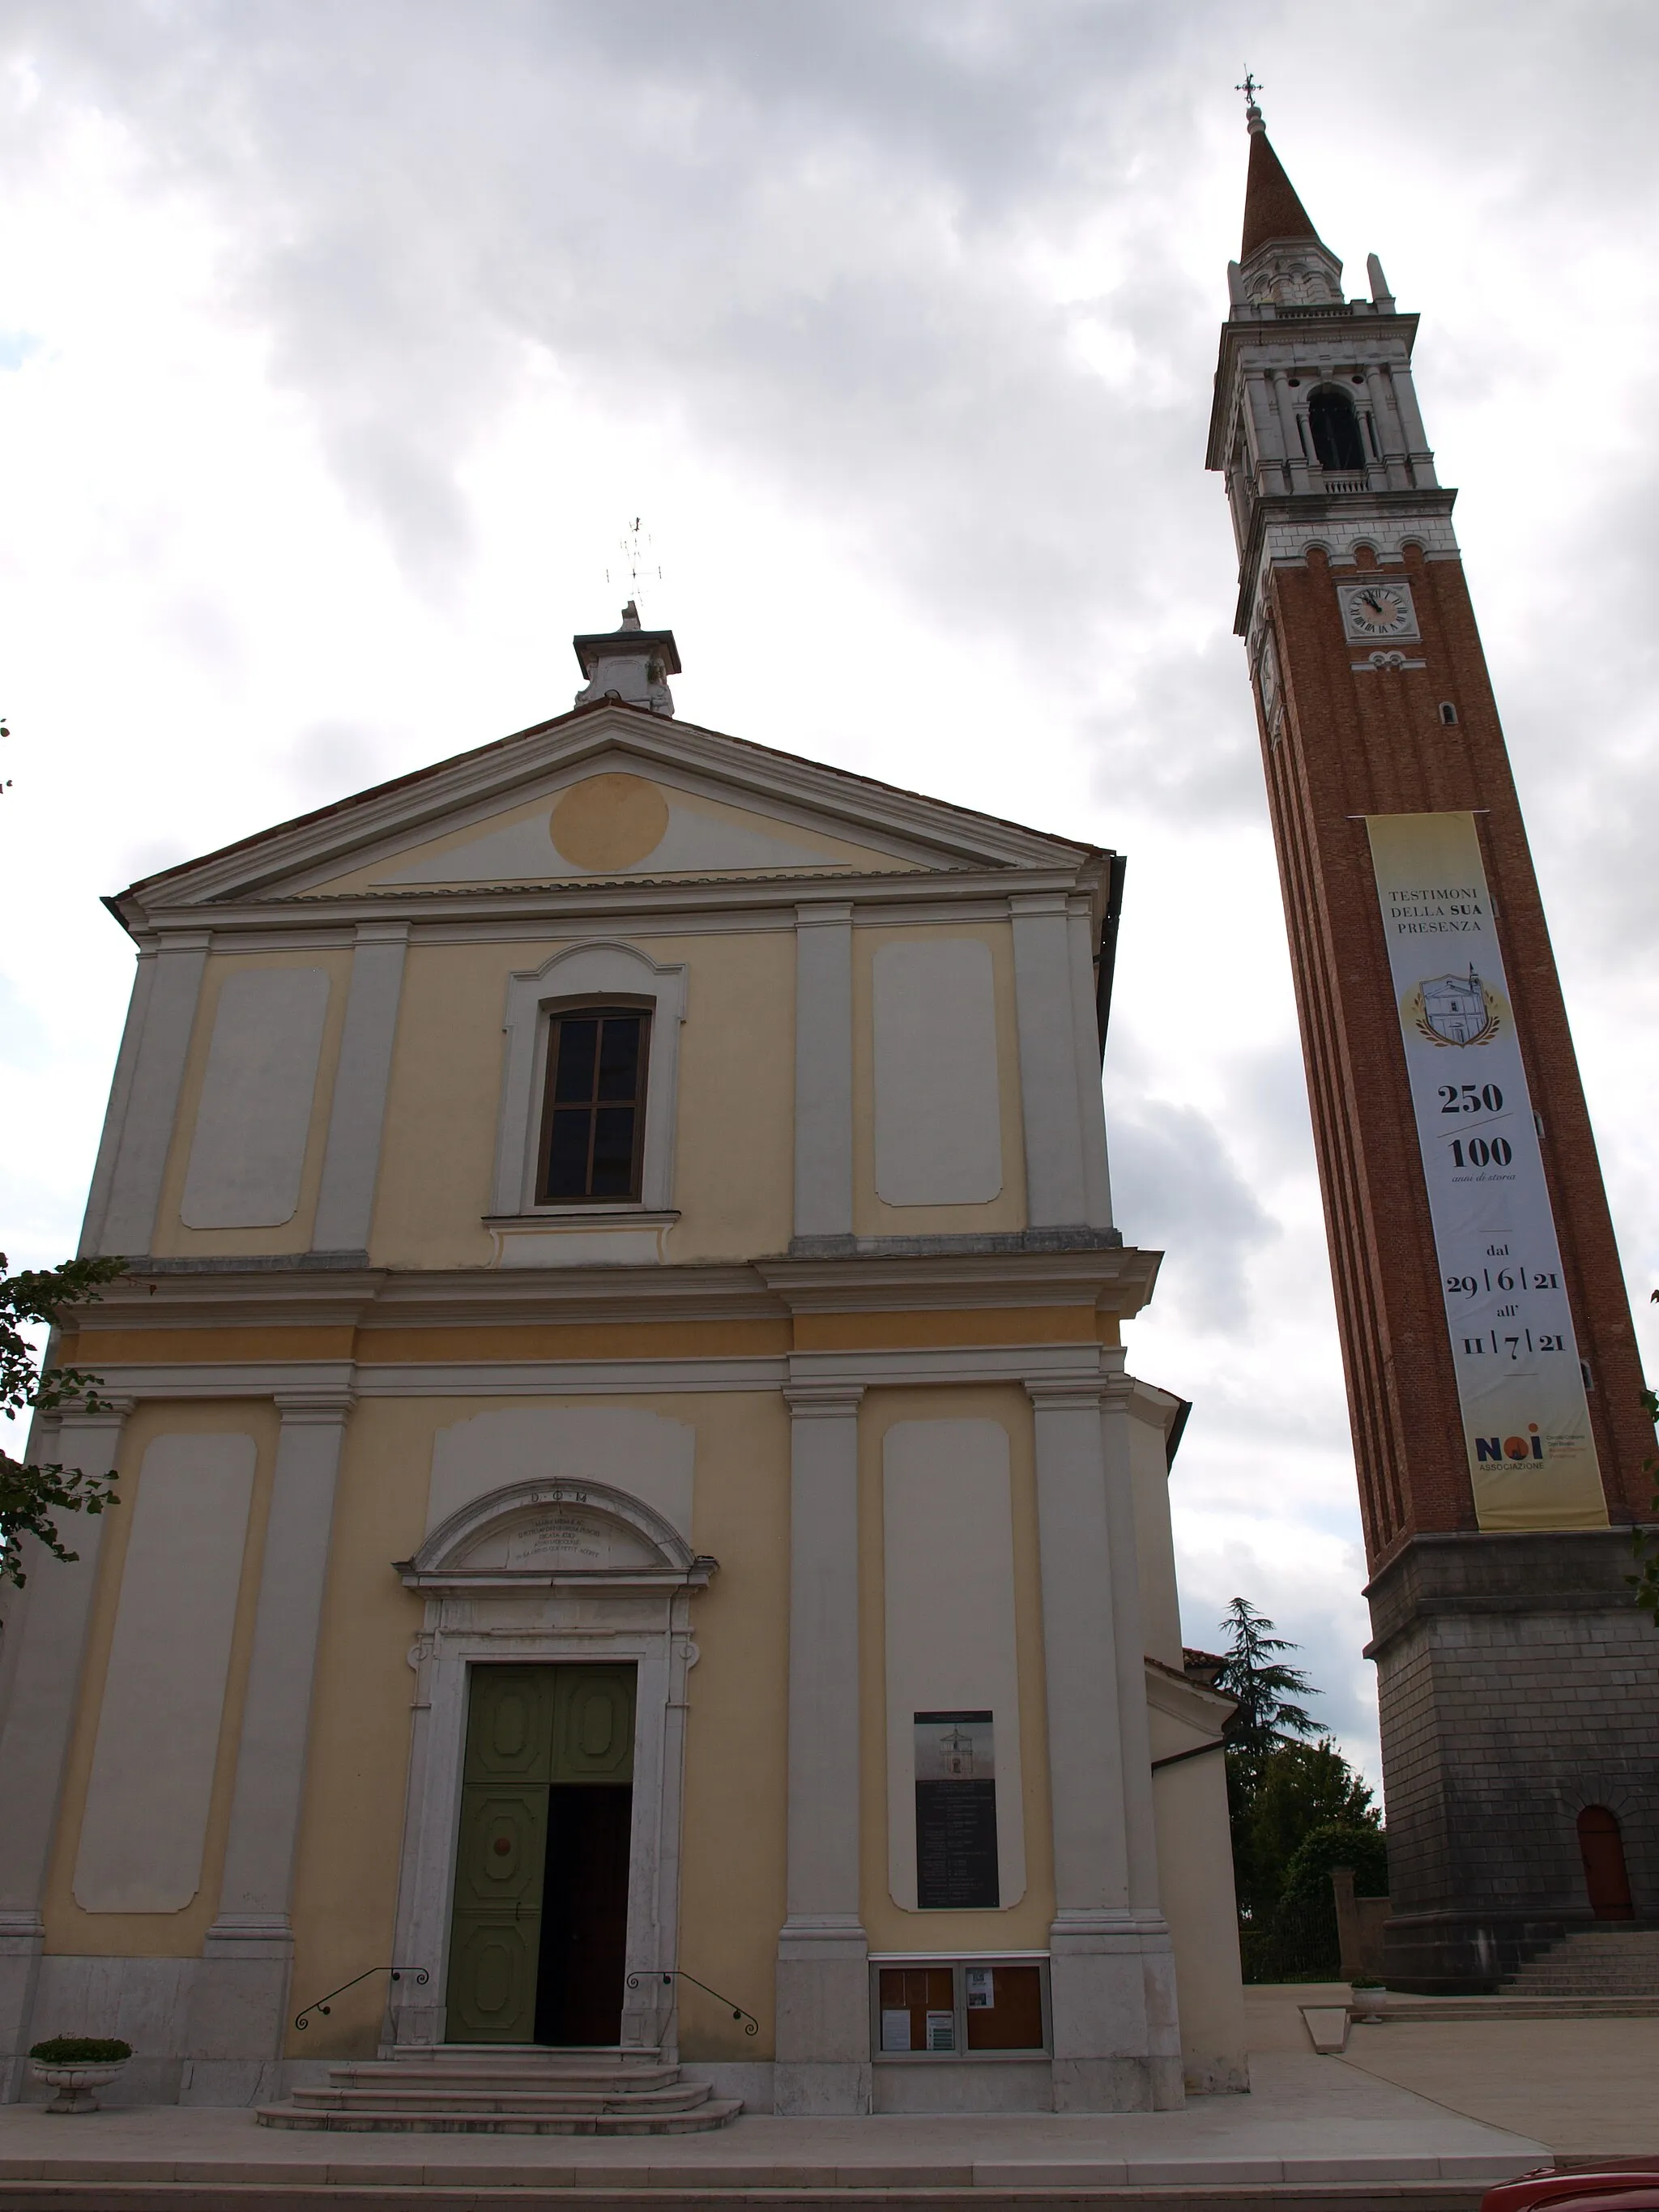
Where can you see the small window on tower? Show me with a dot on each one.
(1448, 713)
(1335, 430)
(594, 1119)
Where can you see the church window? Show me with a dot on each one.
(1448, 713)
(593, 1116)
(1335, 430)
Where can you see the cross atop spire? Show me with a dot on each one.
(1252, 113)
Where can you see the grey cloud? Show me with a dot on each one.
(1175, 1186)
(330, 760)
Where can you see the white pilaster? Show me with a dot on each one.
(1086, 1046)
(1056, 1192)
(1268, 434)
(1113, 2051)
(1411, 422)
(351, 1159)
(43, 1653)
(1139, 1822)
(823, 1069)
(1383, 415)
(1296, 451)
(823, 2057)
(158, 1071)
(240, 1997)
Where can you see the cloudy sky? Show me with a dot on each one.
(338, 345)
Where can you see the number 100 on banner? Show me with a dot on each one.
(1521, 1388)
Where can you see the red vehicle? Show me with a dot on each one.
(1614, 2184)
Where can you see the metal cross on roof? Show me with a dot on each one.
(1249, 87)
(638, 567)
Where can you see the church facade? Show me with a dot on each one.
(636, 1531)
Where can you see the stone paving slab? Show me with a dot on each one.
(1584, 2087)
(1313, 2129)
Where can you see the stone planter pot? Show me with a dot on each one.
(77, 2087)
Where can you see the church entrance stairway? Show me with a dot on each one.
(526, 2090)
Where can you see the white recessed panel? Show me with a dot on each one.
(938, 1123)
(647, 1454)
(158, 1734)
(948, 1549)
(255, 1115)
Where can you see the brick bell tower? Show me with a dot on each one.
(1492, 1368)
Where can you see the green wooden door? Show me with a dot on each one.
(495, 1943)
(528, 1728)
(593, 1724)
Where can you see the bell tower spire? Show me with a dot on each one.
(1493, 1386)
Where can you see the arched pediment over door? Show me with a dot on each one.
(562, 1530)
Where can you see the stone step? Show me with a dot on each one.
(482, 2097)
(520, 2089)
(702, 2119)
(377, 2073)
(1585, 1974)
(1506, 2005)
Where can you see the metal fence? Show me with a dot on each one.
(1292, 1942)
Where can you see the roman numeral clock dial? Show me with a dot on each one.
(1377, 610)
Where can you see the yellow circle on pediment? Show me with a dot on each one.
(609, 822)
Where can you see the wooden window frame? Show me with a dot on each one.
(642, 1009)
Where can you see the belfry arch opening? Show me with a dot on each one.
(1335, 427)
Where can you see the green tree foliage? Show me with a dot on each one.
(30, 1497)
(1337, 1844)
(1279, 1787)
(1279, 1798)
(1259, 1679)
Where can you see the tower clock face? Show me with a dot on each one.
(1377, 609)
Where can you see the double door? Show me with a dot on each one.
(539, 1940)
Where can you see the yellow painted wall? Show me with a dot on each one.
(352, 1823)
(873, 1216)
(734, 1152)
(173, 1238)
(157, 1935)
(732, 1888)
(1024, 1926)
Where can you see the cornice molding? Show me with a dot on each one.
(1118, 1278)
(664, 904)
(1344, 512)
(1115, 1278)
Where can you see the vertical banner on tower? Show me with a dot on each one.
(1526, 1424)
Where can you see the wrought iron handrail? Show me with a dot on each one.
(670, 1974)
(417, 1974)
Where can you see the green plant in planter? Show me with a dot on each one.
(82, 2050)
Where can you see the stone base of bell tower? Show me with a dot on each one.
(1519, 1688)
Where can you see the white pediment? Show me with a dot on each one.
(616, 822)
(611, 792)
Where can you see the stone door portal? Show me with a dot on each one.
(1606, 1875)
(539, 1936)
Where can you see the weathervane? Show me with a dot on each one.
(636, 567)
